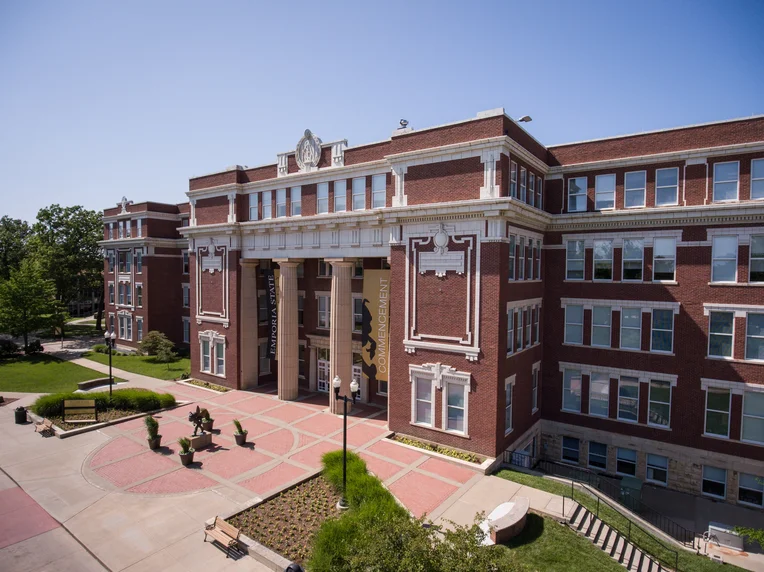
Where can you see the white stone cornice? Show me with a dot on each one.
(740, 310)
(735, 387)
(142, 214)
(643, 376)
(144, 241)
(618, 305)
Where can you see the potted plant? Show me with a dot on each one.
(207, 421)
(240, 434)
(152, 428)
(186, 452)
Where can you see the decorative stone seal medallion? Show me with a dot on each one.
(308, 152)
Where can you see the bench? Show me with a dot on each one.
(224, 533)
(45, 426)
(80, 407)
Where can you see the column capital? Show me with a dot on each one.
(288, 261)
(341, 261)
(251, 262)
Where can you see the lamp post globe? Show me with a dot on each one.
(336, 384)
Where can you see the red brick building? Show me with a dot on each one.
(599, 303)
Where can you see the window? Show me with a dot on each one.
(295, 198)
(139, 328)
(185, 262)
(128, 228)
(599, 394)
(574, 324)
(523, 177)
(533, 258)
(129, 324)
(511, 256)
(756, 266)
(301, 270)
(659, 412)
(423, 401)
(521, 265)
(265, 361)
(664, 259)
(128, 261)
(657, 469)
(205, 355)
(139, 295)
(717, 412)
(186, 331)
(186, 291)
(121, 293)
(601, 326)
(508, 391)
(359, 193)
(527, 321)
(510, 331)
(220, 358)
(633, 250)
(538, 260)
(577, 194)
(262, 309)
(281, 203)
(301, 348)
(122, 332)
(753, 417)
(720, 334)
(324, 268)
(358, 269)
(301, 310)
(121, 229)
(570, 449)
(634, 185)
(111, 293)
(111, 230)
(714, 482)
(111, 322)
(667, 187)
(513, 179)
(357, 314)
(662, 339)
(139, 222)
(455, 407)
(571, 390)
(539, 191)
(757, 179)
(535, 390)
(110, 259)
(531, 189)
(518, 330)
(129, 291)
(253, 214)
(597, 455)
(603, 259)
(751, 490)
(267, 205)
(139, 261)
(725, 181)
(324, 311)
(754, 340)
(184, 222)
(724, 265)
(322, 204)
(529, 260)
(626, 462)
(340, 196)
(574, 269)
(378, 188)
(604, 192)
(536, 325)
(628, 399)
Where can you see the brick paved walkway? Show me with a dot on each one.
(289, 440)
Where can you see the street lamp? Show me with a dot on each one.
(110, 340)
(336, 384)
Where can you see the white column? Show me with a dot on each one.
(287, 350)
(248, 340)
(341, 329)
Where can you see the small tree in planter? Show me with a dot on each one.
(207, 421)
(186, 452)
(152, 428)
(241, 434)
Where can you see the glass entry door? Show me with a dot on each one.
(322, 379)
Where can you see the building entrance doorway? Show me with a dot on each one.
(322, 379)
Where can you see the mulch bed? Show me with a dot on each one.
(110, 415)
(287, 523)
(8, 400)
(207, 385)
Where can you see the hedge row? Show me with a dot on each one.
(138, 400)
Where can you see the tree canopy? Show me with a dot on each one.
(14, 236)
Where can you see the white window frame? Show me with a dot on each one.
(666, 258)
(295, 201)
(536, 320)
(535, 378)
(213, 340)
(595, 260)
(570, 388)
(736, 180)
(219, 360)
(324, 316)
(600, 379)
(510, 331)
(598, 193)
(186, 330)
(653, 466)
(512, 256)
(650, 402)
(675, 202)
(625, 381)
(715, 258)
(138, 327)
(139, 227)
(322, 198)
(186, 265)
(704, 478)
(577, 195)
(359, 199)
(521, 261)
(568, 259)
(728, 412)
(414, 400)
(641, 260)
(378, 191)
(112, 296)
(518, 330)
(527, 319)
(731, 335)
(538, 260)
(539, 192)
(186, 300)
(139, 261)
(138, 295)
(757, 416)
(759, 489)
(534, 254)
(532, 189)
(579, 325)
(609, 326)
(653, 329)
(758, 259)
(598, 455)
(748, 335)
(622, 459)
(357, 317)
(254, 199)
(759, 180)
(632, 190)
(523, 183)
(281, 203)
(563, 448)
(340, 195)
(513, 180)
(267, 205)
(509, 392)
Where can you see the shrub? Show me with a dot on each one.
(185, 375)
(138, 400)
(100, 349)
(154, 341)
(152, 426)
(185, 445)
(8, 348)
(34, 347)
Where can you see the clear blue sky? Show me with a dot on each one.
(103, 99)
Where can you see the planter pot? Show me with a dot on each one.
(241, 438)
(187, 458)
(207, 425)
(154, 443)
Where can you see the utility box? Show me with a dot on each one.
(724, 535)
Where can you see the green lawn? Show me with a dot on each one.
(687, 561)
(144, 365)
(42, 373)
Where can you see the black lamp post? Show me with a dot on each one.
(336, 384)
(110, 339)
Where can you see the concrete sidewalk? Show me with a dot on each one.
(133, 379)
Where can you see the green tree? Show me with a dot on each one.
(65, 242)
(14, 235)
(155, 342)
(28, 302)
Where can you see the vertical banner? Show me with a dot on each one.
(272, 307)
(374, 334)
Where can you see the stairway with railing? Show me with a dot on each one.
(608, 486)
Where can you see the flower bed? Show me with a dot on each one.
(103, 416)
(206, 385)
(463, 455)
(288, 522)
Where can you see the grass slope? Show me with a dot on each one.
(144, 365)
(42, 373)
